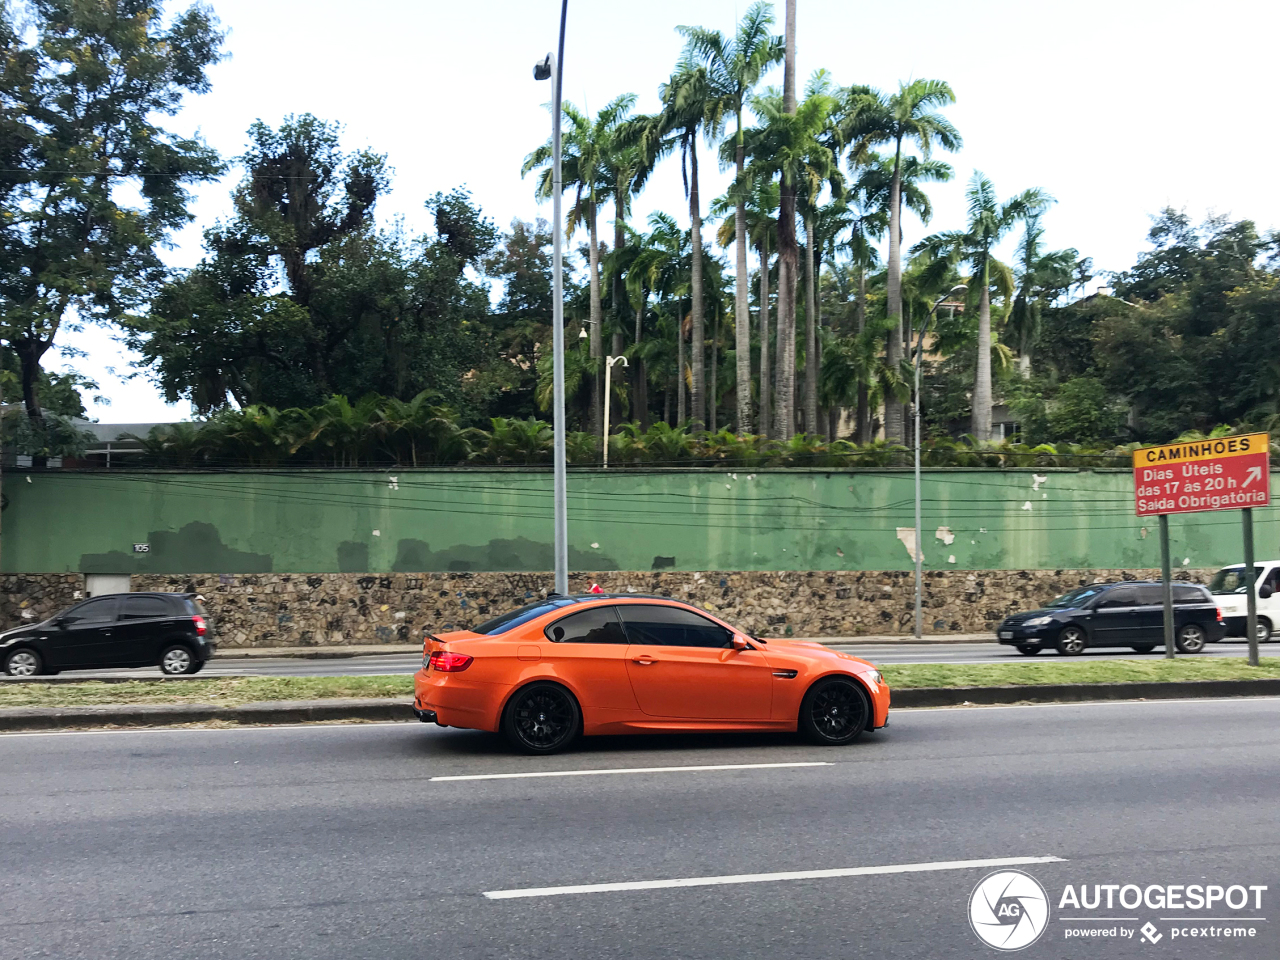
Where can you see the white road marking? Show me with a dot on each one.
(766, 877)
(702, 768)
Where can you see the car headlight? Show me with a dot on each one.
(1038, 621)
(874, 676)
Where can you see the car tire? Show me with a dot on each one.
(1264, 630)
(834, 712)
(197, 666)
(1190, 638)
(1030, 649)
(23, 662)
(541, 718)
(1144, 647)
(176, 660)
(1072, 641)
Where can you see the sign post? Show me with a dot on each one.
(1225, 473)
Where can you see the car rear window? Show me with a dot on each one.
(144, 608)
(195, 606)
(1183, 593)
(513, 619)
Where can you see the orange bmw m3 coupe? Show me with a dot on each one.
(597, 664)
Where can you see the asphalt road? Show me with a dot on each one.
(335, 841)
(886, 653)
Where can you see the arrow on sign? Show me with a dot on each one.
(1255, 473)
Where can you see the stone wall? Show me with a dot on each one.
(268, 610)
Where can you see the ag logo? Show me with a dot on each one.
(1008, 910)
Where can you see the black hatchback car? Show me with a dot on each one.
(168, 630)
(1129, 614)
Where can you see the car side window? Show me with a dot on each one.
(661, 626)
(1120, 597)
(102, 610)
(144, 608)
(597, 625)
(1188, 594)
(1149, 595)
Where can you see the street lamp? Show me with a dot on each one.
(916, 357)
(544, 70)
(608, 374)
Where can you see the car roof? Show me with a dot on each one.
(145, 593)
(584, 597)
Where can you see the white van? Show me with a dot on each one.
(1228, 588)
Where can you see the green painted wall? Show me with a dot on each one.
(440, 520)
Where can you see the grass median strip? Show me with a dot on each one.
(231, 691)
(1147, 669)
(223, 691)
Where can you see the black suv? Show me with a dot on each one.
(169, 630)
(1129, 614)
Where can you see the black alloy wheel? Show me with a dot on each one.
(542, 718)
(1191, 638)
(1030, 649)
(834, 712)
(1072, 641)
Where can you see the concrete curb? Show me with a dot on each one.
(18, 719)
(161, 715)
(1083, 692)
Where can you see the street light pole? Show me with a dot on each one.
(959, 288)
(543, 71)
(608, 378)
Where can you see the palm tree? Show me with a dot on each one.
(692, 107)
(761, 210)
(989, 221)
(908, 116)
(735, 67)
(789, 146)
(585, 146)
(1041, 278)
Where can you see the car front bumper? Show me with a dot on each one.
(1018, 635)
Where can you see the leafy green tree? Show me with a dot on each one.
(586, 144)
(92, 182)
(989, 221)
(908, 117)
(735, 66)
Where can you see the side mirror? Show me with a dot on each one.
(60, 623)
(1264, 592)
(740, 643)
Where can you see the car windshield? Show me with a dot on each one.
(513, 619)
(1232, 579)
(1077, 598)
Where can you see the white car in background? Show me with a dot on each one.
(1229, 587)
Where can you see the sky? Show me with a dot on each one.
(1117, 109)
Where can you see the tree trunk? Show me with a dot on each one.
(893, 414)
(789, 65)
(788, 261)
(29, 351)
(862, 418)
(712, 383)
(596, 341)
(766, 384)
(741, 305)
(811, 361)
(640, 376)
(697, 346)
(981, 423)
(680, 417)
(666, 404)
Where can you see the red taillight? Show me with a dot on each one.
(447, 662)
(201, 629)
(1218, 610)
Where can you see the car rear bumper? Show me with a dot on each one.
(455, 701)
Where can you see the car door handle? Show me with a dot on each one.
(643, 661)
